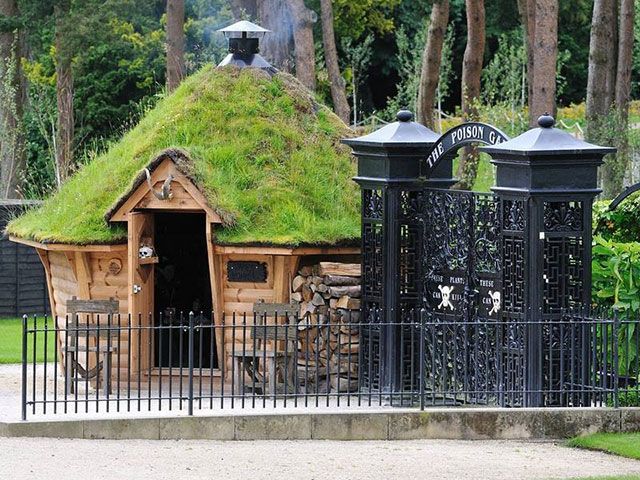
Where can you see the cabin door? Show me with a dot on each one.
(141, 285)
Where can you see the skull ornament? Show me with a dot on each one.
(145, 252)
(445, 292)
(495, 302)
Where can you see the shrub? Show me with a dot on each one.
(620, 225)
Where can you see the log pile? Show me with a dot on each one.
(329, 298)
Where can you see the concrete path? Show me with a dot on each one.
(36, 458)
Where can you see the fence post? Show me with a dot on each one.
(190, 392)
(546, 181)
(24, 366)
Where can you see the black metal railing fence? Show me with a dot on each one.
(118, 363)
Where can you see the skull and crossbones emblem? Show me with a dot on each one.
(445, 292)
(495, 302)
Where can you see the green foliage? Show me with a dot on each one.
(621, 224)
(616, 275)
(409, 62)
(616, 285)
(623, 444)
(503, 78)
(267, 157)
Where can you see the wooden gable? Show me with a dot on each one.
(185, 196)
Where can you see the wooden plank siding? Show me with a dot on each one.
(23, 287)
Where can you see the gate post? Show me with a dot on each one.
(389, 179)
(546, 181)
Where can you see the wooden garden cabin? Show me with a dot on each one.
(206, 205)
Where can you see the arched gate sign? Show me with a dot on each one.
(457, 137)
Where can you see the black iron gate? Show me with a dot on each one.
(496, 271)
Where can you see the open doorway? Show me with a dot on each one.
(182, 285)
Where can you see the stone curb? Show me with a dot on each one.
(454, 423)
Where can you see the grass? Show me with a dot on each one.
(11, 342)
(623, 444)
(615, 477)
(266, 156)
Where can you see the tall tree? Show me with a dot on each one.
(527, 9)
(616, 167)
(305, 52)
(277, 46)
(175, 43)
(338, 91)
(471, 76)
(625, 58)
(545, 58)
(431, 58)
(12, 154)
(602, 48)
(64, 92)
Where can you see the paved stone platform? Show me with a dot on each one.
(382, 424)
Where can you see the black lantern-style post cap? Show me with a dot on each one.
(244, 38)
(545, 159)
(394, 151)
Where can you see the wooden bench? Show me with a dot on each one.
(95, 341)
(270, 369)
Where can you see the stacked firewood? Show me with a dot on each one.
(329, 298)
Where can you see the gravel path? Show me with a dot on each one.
(22, 458)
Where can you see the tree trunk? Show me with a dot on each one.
(276, 46)
(602, 46)
(244, 8)
(545, 58)
(527, 9)
(64, 96)
(338, 90)
(616, 166)
(612, 58)
(12, 153)
(471, 76)
(175, 43)
(431, 59)
(625, 58)
(305, 51)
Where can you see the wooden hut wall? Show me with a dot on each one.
(23, 289)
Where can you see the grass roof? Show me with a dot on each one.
(266, 156)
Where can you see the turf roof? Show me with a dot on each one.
(266, 156)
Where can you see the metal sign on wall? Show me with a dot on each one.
(457, 137)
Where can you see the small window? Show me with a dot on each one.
(254, 272)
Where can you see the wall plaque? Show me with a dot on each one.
(255, 272)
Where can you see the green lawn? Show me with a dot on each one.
(619, 477)
(624, 444)
(11, 341)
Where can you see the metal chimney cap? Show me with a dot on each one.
(244, 26)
